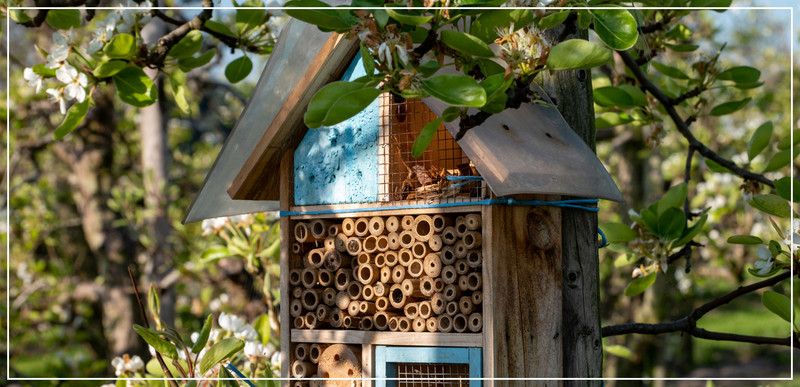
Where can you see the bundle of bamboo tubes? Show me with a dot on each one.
(401, 273)
(312, 360)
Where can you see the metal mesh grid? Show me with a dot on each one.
(422, 179)
(407, 372)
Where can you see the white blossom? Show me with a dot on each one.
(60, 51)
(792, 237)
(212, 225)
(195, 336)
(230, 322)
(107, 26)
(246, 333)
(33, 79)
(57, 96)
(126, 364)
(254, 349)
(765, 260)
(275, 359)
(76, 82)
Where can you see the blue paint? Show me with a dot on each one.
(339, 164)
(386, 359)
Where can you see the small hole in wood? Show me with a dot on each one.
(506, 127)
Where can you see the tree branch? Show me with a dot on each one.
(683, 128)
(156, 57)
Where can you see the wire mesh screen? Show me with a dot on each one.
(404, 177)
(432, 374)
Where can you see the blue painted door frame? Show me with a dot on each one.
(387, 357)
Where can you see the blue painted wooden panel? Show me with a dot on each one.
(339, 164)
(386, 359)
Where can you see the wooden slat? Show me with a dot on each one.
(257, 180)
(488, 307)
(419, 339)
(387, 212)
(287, 197)
(366, 364)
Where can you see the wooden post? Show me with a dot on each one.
(287, 198)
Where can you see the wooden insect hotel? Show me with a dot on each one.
(401, 267)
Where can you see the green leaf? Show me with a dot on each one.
(350, 104)
(64, 19)
(672, 72)
(496, 97)
(616, 27)
(224, 378)
(618, 232)
(424, 138)
(249, 18)
(154, 305)
(740, 74)
(671, 223)
(261, 325)
(745, 240)
(218, 27)
(682, 47)
(553, 19)
(618, 350)
(107, 69)
(783, 187)
(729, 107)
(710, 4)
(639, 285)
(202, 339)
(612, 96)
(327, 18)
(584, 19)
(487, 66)
(779, 160)
(219, 351)
(747, 86)
(44, 71)
(777, 303)
(164, 347)
(121, 46)
(674, 198)
(650, 219)
(679, 32)
(188, 45)
(456, 90)
(450, 114)
(759, 140)
(715, 167)
(238, 69)
(785, 142)
(214, 253)
(771, 204)
(134, 87)
(466, 44)
(153, 368)
(611, 119)
(691, 232)
(74, 117)
(636, 94)
(187, 64)
(179, 93)
(367, 60)
(325, 98)
(577, 54)
(485, 25)
(404, 18)
(19, 16)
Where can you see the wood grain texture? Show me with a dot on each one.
(286, 174)
(422, 339)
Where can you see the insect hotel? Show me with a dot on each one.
(434, 267)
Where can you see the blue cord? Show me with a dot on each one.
(233, 369)
(604, 241)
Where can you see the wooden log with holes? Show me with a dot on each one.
(339, 361)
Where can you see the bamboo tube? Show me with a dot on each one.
(330, 243)
(315, 351)
(377, 226)
(370, 244)
(349, 321)
(353, 246)
(472, 239)
(404, 324)
(349, 227)
(474, 281)
(386, 274)
(294, 277)
(298, 322)
(404, 257)
(380, 288)
(445, 323)
(418, 325)
(368, 292)
(396, 297)
(411, 288)
(432, 324)
(392, 224)
(381, 321)
(314, 258)
(329, 296)
(473, 221)
(336, 318)
(462, 267)
(366, 307)
(391, 258)
(422, 228)
(354, 290)
(448, 255)
(334, 229)
(382, 303)
(465, 305)
(394, 324)
(325, 277)
(461, 226)
(416, 268)
(342, 278)
(340, 243)
(398, 274)
(362, 227)
(474, 258)
(319, 228)
(368, 273)
(309, 277)
(303, 384)
(302, 234)
(449, 235)
(322, 312)
(295, 308)
(419, 250)
(297, 292)
(432, 265)
(407, 222)
(460, 249)
(380, 260)
(333, 261)
(342, 300)
(301, 352)
(424, 309)
(475, 322)
(460, 323)
(463, 284)
(451, 309)
(302, 369)
(366, 323)
(311, 298)
(435, 243)
(438, 304)
(300, 248)
(438, 285)
(394, 240)
(477, 298)
(426, 286)
(411, 310)
(449, 275)
(439, 222)
(406, 239)
(364, 258)
(383, 243)
(352, 309)
(451, 292)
